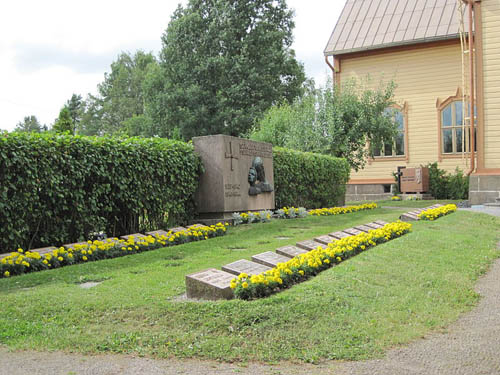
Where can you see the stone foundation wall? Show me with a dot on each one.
(366, 193)
(483, 189)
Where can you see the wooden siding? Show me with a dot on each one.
(491, 66)
(422, 76)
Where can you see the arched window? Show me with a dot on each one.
(454, 136)
(396, 147)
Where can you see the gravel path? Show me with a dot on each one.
(471, 346)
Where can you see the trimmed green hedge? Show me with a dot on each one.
(304, 179)
(58, 189)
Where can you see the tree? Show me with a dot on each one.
(338, 122)
(30, 124)
(120, 95)
(75, 107)
(64, 123)
(223, 63)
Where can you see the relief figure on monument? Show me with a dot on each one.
(257, 178)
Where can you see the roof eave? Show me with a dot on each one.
(389, 45)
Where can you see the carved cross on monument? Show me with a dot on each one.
(230, 155)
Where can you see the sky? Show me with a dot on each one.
(52, 49)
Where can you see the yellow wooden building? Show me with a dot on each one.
(424, 47)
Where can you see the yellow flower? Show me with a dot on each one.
(84, 258)
(6, 274)
(60, 259)
(244, 285)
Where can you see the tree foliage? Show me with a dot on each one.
(120, 96)
(338, 122)
(223, 63)
(30, 124)
(64, 123)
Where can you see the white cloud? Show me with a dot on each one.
(52, 49)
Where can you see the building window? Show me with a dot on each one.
(454, 133)
(397, 146)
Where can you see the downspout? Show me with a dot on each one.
(332, 68)
(472, 113)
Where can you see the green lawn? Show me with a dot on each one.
(384, 297)
(407, 203)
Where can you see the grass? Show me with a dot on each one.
(385, 297)
(408, 203)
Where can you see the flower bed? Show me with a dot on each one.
(20, 262)
(251, 217)
(342, 210)
(435, 213)
(304, 266)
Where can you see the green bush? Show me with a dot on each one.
(447, 186)
(304, 179)
(57, 189)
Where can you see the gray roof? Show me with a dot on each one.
(372, 24)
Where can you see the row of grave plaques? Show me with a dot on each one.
(136, 236)
(214, 284)
(413, 215)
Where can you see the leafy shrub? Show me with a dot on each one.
(58, 189)
(447, 186)
(308, 180)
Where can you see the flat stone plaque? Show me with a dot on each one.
(363, 228)
(409, 217)
(310, 245)
(325, 240)
(352, 231)
(246, 266)
(176, 229)
(196, 226)
(210, 284)
(374, 225)
(290, 251)
(43, 250)
(135, 235)
(339, 235)
(72, 245)
(157, 233)
(381, 222)
(270, 259)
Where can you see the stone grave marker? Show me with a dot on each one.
(177, 229)
(44, 250)
(310, 245)
(374, 225)
(352, 231)
(72, 245)
(290, 251)
(238, 176)
(381, 222)
(409, 217)
(270, 259)
(339, 235)
(325, 240)
(245, 266)
(196, 226)
(157, 233)
(210, 284)
(363, 228)
(135, 235)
